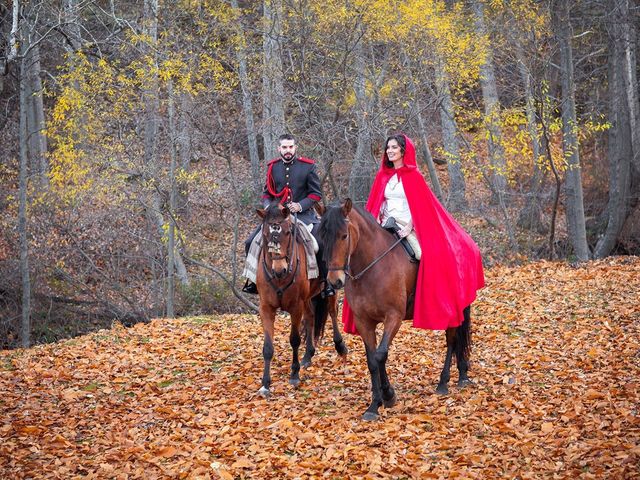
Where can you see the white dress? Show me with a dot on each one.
(397, 206)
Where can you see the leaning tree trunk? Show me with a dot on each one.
(72, 26)
(530, 216)
(363, 166)
(247, 109)
(491, 108)
(456, 199)
(273, 124)
(620, 133)
(424, 140)
(426, 154)
(570, 146)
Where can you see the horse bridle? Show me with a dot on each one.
(347, 267)
(290, 251)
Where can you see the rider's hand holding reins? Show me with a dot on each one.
(406, 230)
(294, 207)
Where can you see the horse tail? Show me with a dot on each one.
(320, 314)
(463, 336)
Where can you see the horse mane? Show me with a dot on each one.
(333, 221)
(272, 211)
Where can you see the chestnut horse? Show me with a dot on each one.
(379, 282)
(283, 284)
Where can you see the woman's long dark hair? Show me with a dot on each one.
(401, 142)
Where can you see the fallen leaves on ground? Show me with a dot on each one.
(556, 366)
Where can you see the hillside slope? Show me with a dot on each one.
(555, 364)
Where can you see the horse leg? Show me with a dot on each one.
(369, 338)
(338, 341)
(309, 327)
(443, 388)
(391, 327)
(267, 315)
(463, 349)
(294, 340)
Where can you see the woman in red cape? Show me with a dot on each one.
(450, 270)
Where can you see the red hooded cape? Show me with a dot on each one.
(450, 270)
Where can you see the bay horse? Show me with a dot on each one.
(379, 282)
(283, 284)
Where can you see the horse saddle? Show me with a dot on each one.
(392, 226)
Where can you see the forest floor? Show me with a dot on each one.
(556, 365)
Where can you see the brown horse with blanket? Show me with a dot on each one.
(283, 283)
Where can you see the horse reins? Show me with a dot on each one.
(347, 265)
(280, 290)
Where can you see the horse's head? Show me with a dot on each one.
(338, 239)
(277, 237)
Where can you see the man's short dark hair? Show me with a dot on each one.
(286, 136)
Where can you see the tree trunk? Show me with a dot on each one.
(25, 329)
(363, 166)
(12, 44)
(72, 26)
(37, 142)
(491, 107)
(247, 108)
(426, 154)
(273, 124)
(630, 235)
(151, 168)
(151, 93)
(456, 200)
(530, 216)
(184, 152)
(424, 140)
(620, 134)
(570, 146)
(630, 34)
(172, 203)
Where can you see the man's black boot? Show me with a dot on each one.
(250, 287)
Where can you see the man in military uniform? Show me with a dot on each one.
(293, 181)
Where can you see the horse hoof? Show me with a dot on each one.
(391, 402)
(294, 382)
(442, 390)
(464, 383)
(264, 392)
(305, 363)
(370, 417)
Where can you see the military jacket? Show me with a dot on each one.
(296, 181)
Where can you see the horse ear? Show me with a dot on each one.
(285, 212)
(346, 207)
(261, 212)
